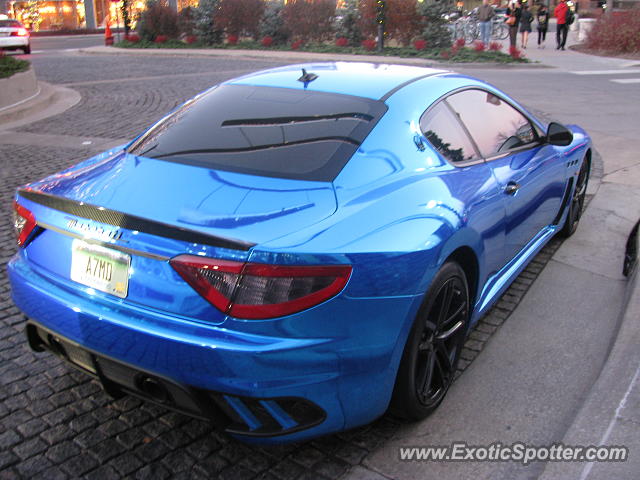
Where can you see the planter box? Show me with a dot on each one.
(17, 88)
(584, 25)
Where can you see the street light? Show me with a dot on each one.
(381, 7)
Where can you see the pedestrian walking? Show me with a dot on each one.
(485, 14)
(526, 18)
(560, 13)
(514, 10)
(543, 23)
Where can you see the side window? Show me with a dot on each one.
(446, 134)
(495, 125)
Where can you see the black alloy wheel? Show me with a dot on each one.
(576, 207)
(433, 348)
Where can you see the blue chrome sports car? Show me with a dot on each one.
(293, 252)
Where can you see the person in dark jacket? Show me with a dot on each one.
(543, 24)
(526, 18)
(514, 10)
(562, 29)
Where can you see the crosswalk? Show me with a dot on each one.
(620, 72)
(59, 50)
(626, 80)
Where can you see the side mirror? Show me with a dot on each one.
(559, 135)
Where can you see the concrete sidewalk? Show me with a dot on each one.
(568, 59)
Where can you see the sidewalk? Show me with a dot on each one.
(568, 59)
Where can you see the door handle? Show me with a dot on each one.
(511, 188)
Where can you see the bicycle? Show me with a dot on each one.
(499, 29)
(467, 28)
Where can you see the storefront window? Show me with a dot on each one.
(113, 11)
(70, 14)
(50, 15)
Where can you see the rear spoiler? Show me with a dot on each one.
(130, 222)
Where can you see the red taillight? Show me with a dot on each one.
(24, 222)
(257, 291)
(21, 32)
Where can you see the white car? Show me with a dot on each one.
(14, 36)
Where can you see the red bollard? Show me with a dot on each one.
(108, 36)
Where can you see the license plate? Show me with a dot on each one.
(100, 267)
(4, 34)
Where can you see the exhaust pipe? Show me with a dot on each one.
(154, 389)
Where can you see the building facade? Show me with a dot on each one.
(70, 14)
(91, 14)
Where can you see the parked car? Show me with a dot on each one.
(13, 36)
(293, 252)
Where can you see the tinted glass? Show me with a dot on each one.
(446, 134)
(274, 132)
(495, 125)
(10, 23)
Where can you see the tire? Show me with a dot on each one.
(471, 32)
(500, 31)
(27, 49)
(433, 348)
(576, 205)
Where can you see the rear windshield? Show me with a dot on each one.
(268, 131)
(10, 23)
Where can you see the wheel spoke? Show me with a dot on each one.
(445, 306)
(428, 375)
(445, 335)
(441, 348)
(439, 380)
(454, 315)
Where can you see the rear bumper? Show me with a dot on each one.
(13, 42)
(245, 416)
(265, 389)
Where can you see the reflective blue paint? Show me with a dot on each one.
(244, 412)
(279, 414)
(339, 77)
(498, 283)
(396, 213)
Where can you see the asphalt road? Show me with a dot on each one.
(525, 384)
(56, 44)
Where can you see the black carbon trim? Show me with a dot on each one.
(565, 202)
(130, 222)
(251, 122)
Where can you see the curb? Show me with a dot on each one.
(50, 100)
(17, 89)
(298, 56)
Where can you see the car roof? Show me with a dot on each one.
(369, 80)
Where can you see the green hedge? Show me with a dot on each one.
(461, 55)
(10, 66)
